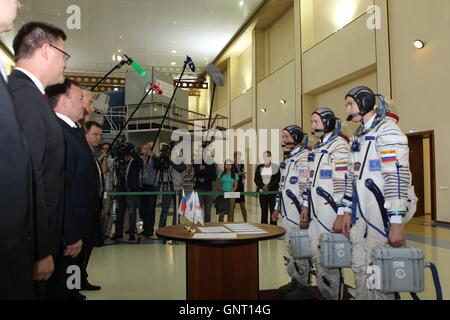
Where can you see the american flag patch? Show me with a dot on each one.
(388, 156)
(341, 166)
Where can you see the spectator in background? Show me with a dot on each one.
(205, 175)
(239, 169)
(267, 178)
(107, 165)
(88, 104)
(228, 183)
(149, 184)
(133, 172)
(173, 182)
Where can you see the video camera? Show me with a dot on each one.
(165, 156)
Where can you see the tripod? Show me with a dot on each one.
(165, 184)
(122, 203)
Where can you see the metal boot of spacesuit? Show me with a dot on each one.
(327, 184)
(294, 176)
(379, 170)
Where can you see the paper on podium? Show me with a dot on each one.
(228, 235)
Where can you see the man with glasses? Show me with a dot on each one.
(40, 62)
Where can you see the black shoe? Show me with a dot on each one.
(132, 237)
(302, 293)
(90, 287)
(117, 237)
(291, 286)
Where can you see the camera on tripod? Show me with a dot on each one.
(165, 156)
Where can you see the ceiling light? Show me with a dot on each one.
(119, 58)
(173, 63)
(119, 51)
(283, 101)
(120, 37)
(419, 44)
(264, 110)
(174, 51)
(241, 3)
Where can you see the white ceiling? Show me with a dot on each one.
(147, 30)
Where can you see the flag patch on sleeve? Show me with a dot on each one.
(388, 156)
(341, 166)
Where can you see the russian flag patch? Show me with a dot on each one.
(341, 166)
(388, 156)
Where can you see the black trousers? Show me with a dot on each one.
(85, 255)
(267, 203)
(57, 286)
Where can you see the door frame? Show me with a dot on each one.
(430, 135)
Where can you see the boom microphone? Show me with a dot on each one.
(190, 63)
(154, 87)
(140, 70)
(215, 74)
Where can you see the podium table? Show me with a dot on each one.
(221, 269)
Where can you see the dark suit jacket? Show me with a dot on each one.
(81, 188)
(16, 215)
(46, 143)
(133, 179)
(209, 174)
(274, 183)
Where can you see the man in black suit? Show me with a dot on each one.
(16, 255)
(81, 190)
(40, 62)
(93, 138)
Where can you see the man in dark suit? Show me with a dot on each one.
(40, 58)
(81, 190)
(16, 255)
(93, 138)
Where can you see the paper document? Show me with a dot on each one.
(228, 235)
(245, 228)
(213, 229)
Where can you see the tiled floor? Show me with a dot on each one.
(158, 271)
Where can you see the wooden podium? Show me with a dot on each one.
(221, 269)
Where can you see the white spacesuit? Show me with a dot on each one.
(328, 181)
(293, 184)
(382, 194)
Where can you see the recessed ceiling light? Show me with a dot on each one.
(419, 44)
(173, 63)
(283, 101)
(241, 3)
(174, 51)
(119, 51)
(264, 110)
(120, 37)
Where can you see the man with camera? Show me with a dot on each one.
(171, 168)
(149, 184)
(131, 183)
